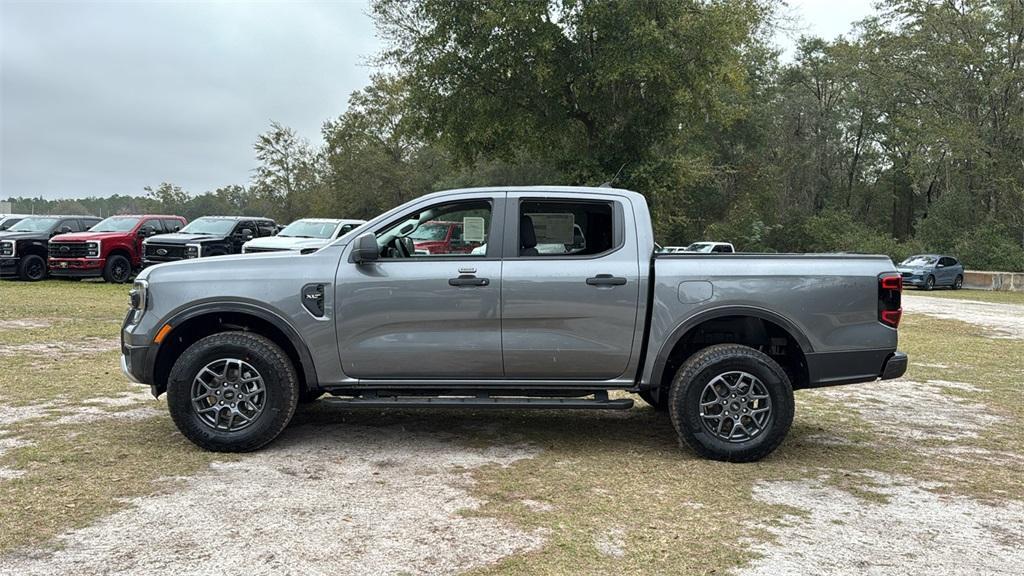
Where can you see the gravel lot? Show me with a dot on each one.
(1000, 320)
(343, 498)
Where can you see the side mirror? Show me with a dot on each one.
(145, 231)
(365, 249)
(65, 229)
(940, 265)
(246, 234)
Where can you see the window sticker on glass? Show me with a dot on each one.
(473, 229)
(553, 228)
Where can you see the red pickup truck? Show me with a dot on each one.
(111, 249)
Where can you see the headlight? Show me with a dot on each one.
(193, 251)
(138, 297)
(7, 248)
(92, 249)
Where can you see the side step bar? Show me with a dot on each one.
(372, 400)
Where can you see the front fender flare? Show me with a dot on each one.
(190, 311)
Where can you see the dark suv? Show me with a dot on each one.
(206, 236)
(23, 247)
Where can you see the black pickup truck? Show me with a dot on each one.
(206, 236)
(23, 247)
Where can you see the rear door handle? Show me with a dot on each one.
(468, 280)
(606, 280)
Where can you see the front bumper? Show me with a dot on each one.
(9, 267)
(913, 280)
(76, 267)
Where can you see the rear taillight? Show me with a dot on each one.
(890, 291)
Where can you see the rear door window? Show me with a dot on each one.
(562, 228)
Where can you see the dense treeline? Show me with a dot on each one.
(905, 136)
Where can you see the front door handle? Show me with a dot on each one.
(606, 280)
(468, 280)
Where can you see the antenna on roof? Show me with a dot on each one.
(610, 183)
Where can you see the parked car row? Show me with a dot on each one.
(116, 248)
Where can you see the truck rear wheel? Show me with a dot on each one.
(732, 403)
(232, 392)
(118, 270)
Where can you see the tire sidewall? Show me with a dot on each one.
(780, 393)
(958, 283)
(929, 283)
(279, 380)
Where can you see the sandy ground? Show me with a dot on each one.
(913, 532)
(1000, 320)
(335, 499)
(343, 499)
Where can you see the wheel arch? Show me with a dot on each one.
(192, 324)
(761, 327)
(120, 251)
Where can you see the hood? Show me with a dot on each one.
(287, 243)
(86, 236)
(911, 269)
(8, 235)
(240, 267)
(181, 238)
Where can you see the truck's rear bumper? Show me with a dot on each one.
(851, 367)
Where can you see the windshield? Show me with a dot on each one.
(309, 229)
(213, 226)
(698, 247)
(430, 231)
(116, 224)
(35, 225)
(919, 261)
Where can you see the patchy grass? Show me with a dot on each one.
(612, 491)
(998, 297)
(58, 349)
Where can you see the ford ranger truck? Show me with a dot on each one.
(23, 246)
(718, 341)
(111, 249)
(305, 236)
(206, 236)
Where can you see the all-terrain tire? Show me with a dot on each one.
(698, 371)
(32, 268)
(660, 405)
(280, 381)
(118, 270)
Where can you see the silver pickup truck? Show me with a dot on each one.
(719, 342)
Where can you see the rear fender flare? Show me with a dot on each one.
(661, 360)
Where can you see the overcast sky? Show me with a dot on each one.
(98, 98)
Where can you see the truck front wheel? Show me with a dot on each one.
(118, 269)
(232, 392)
(732, 403)
(32, 268)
